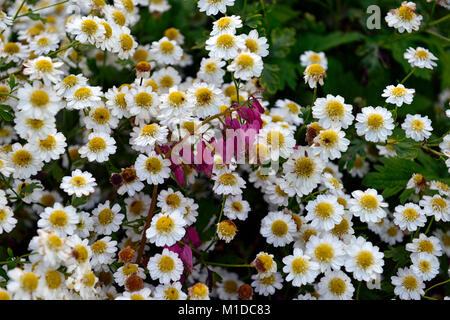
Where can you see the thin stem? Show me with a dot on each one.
(18, 10)
(49, 6)
(439, 20)
(9, 95)
(220, 218)
(438, 35)
(408, 75)
(357, 290)
(147, 224)
(436, 285)
(74, 43)
(429, 225)
(429, 298)
(314, 95)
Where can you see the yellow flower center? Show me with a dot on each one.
(405, 13)
(230, 286)
(275, 138)
(292, 107)
(166, 264)
(149, 130)
(97, 144)
(22, 158)
(99, 247)
(265, 261)
(417, 125)
(126, 42)
(108, 29)
(173, 200)
(78, 181)
(70, 81)
(337, 286)
(39, 98)
(137, 207)
(328, 138)
(398, 92)
(368, 202)
(4, 295)
(225, 41)
(364, 259)
(252, 45)
(375, 121)
(54, 242)
(81, 253)
(425, 246)
(439, 204)
(171, 33)
(227, 228)
(58, 218)
(47, 144)
(153, 165)
(136, 296)
(204, 96)
(410, 283)
(210, 67)
(101, 115)
(199, 290)
(89, 27)
(228, 179)
(176, 98)
(11, 48)
(223, 23)
(410, 214)
(165, 224)
(128, 5)
(341, 228)
(314, 58)
(53, 279)
(48, 200)
(308, 233)
(267, 281)
(119, 100)
(324, 210)
(392, 231)
(140, 55)
(166, 47)
(171, 294)
(130, 269)
(3, 215)
(424, 266)
(279, 228)
(422, 54)
(315, 70)
(324, 252)
(106, 216)
(166, 81)
(29, 281)
(119, 18)
(42, 42)
(304, 167)
(280, 192)
(335, 110)
(89, 279)
(245, 61)
(82, 93)
(300, 265)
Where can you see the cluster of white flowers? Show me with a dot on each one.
(76, 252)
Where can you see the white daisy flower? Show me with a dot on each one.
(408, 284)
(107, 219)
(444, 238)
(310, 57)
(387, 151)
(278, 228)
(126, 46)
(131, 183)
(166, 51)
(175, 35)
(425, 265)
(246, 66)
(280, 140)
(27, 127)
(115, 100)
(22, 284)
(289, 110)
(236, 208)
(191, 212)
(37, 101)
(332, 111)
(165, 267)
(86, 29)
(225, 46)
(79, 183)
(43, 68)
(417, 127)
(83, 97)
(152, 168)
(175, 107)
(44, 43)
(7, 220)
(52, 250)
(329, 143)
(137, 206)
(158, 6)
(409, 217)
(313, 74)
(211, 71)
(166, 78)
(335, 285)
(425, 244)
(170, 291)
(69, 84)
(375, 124)
(214, 7)
(60, 219)
(100, 119)
(206, 99)
(166, 229)
(364, 260)
(324, 212)
(14, 52)
(24, 161)
(436, 206)
(398, 95)
(50, 148)
(226, 230)
(198, 291)
(368, 205)
(227, 24)
(300, 268)
(122, 273)
(420, 57)
(360, 167)
(103, 252)
(255, 44)
(148, 135)
(98, 148)
(143, 294)
(303, 170)
(228, 183)
(404, 18)
(327, 251)
(391, 234)
(85, 225)
(170, 201)
(142, 103)
(266, 285)
(264, 264)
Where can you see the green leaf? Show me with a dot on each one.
(6, 116)
(282, 39)
(398, 254)
(28, 189)
(404, 147)
(76, 202)
(10, 252)
(270, 79)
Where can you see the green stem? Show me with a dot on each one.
(9, 95)
(357, 290)
(408, 75)
(49, 6)
(429, 298)
(18, 10)
(314, 95)
(436, 285)
(54, 53)
(439, 20)
(220, 218)
(429, 225)
(438, 35)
